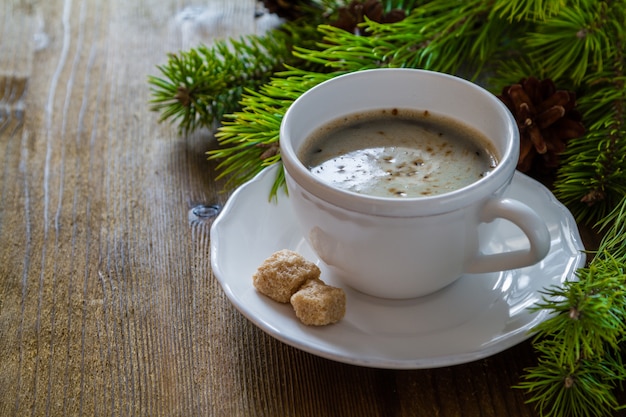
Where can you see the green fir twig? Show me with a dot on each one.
(580, 364)
(249, 138)
(592, 179)
(198, 87)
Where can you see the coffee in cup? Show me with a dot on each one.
(407, 246)
(398, 153)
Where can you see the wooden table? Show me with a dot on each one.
(107, 301)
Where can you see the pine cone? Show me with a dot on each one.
(355, 13)
(546, 119)
(287, 9)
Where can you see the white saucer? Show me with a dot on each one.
(477, 316)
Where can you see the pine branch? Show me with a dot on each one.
(249, 138)
(198, 87)
(568, 46)
(580, 364)
(583, 389)
(592, 179)
(574, 42)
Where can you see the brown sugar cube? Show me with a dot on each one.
(318, 304)
(280, 275)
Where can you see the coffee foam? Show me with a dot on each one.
(392, 153)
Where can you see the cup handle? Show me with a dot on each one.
(528, 221)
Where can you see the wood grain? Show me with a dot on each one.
(107, 302)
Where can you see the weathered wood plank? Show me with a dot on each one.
(107, 302)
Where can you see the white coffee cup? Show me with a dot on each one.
(407, 247)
